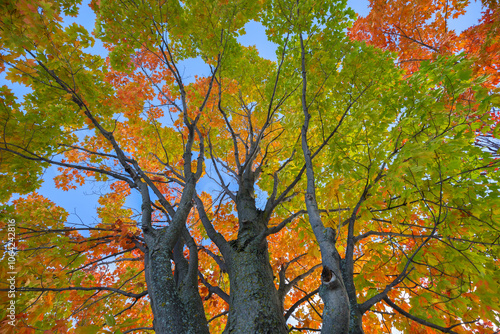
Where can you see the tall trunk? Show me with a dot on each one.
(254, 302)
(168, 311)
(186, 279)
(336, 311)
(355, 323)
(175, 301)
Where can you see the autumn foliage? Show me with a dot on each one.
(405, 183)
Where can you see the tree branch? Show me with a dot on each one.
(422, 321)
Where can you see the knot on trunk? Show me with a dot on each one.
(329, 278)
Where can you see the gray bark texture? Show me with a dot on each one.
(167, 307)
(254, 303)
(175, 300)
(336, 312)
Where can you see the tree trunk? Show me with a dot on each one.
(336, 311)
(186, 278)
(355, 322)
(175, 301)
(254, 303)
(167, 307)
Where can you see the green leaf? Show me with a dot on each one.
(109, 319)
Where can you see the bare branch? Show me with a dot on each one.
(78, 288)
(299, 302)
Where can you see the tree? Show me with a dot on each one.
(330, 158)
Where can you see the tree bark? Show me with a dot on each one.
(186, 279)
(254, 303)
(336, 312)
(168, 311)
(175, 300)
(356, 315)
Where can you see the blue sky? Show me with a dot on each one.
(82, 202)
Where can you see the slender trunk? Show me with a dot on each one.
(175, 299)
(186, 278)
(355, 322)
(193, 306)
(336, 311)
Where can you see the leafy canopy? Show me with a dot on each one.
(393, 132)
